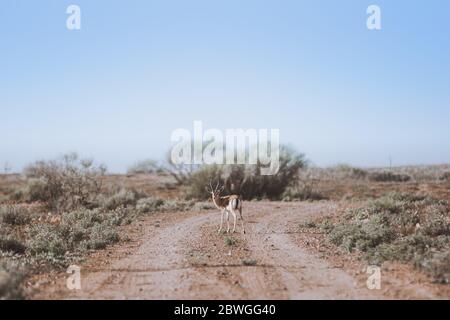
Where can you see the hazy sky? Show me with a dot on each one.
(137, 70)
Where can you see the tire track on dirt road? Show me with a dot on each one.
(304, 275)
(157, 270)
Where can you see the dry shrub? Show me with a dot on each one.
(79, 230)
(149, 205)
(122, 198)
(64, 184)
(10, 244)
(144, 167)
(344, 171)
(445, 177)
(11, 280)
(387, 176)
(399, 227)
(14, 215)
(247, 180)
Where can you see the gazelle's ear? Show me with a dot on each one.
(207, 189)
(221, 188)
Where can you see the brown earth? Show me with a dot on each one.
(181, 256)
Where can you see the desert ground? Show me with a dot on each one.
(179, 254)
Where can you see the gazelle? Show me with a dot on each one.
(226, 204)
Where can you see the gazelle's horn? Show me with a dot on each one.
(217, 187)
(208, 188)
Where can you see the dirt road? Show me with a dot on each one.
(181, 256)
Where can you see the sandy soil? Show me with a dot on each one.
(181, 256)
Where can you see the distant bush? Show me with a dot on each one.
(387, 176)
(346, 171)
(13, 215)
(144, 167)
(399, 227)
(11, 279)
(246, 180)
(64, 184)
(302, 192)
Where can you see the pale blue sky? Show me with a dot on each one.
(137, 70)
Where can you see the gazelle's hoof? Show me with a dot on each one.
(243, 232)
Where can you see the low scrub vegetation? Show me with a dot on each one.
(14, 215)
(399, 227)
(305, 190)
(11, 278)
(229, 241)
(122, 198)
(10, 244)
(69, 214)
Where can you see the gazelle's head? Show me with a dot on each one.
(215, 192)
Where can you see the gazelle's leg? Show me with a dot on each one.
(234, 220)
(242, 219)
(221, 220)
(228, 220)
